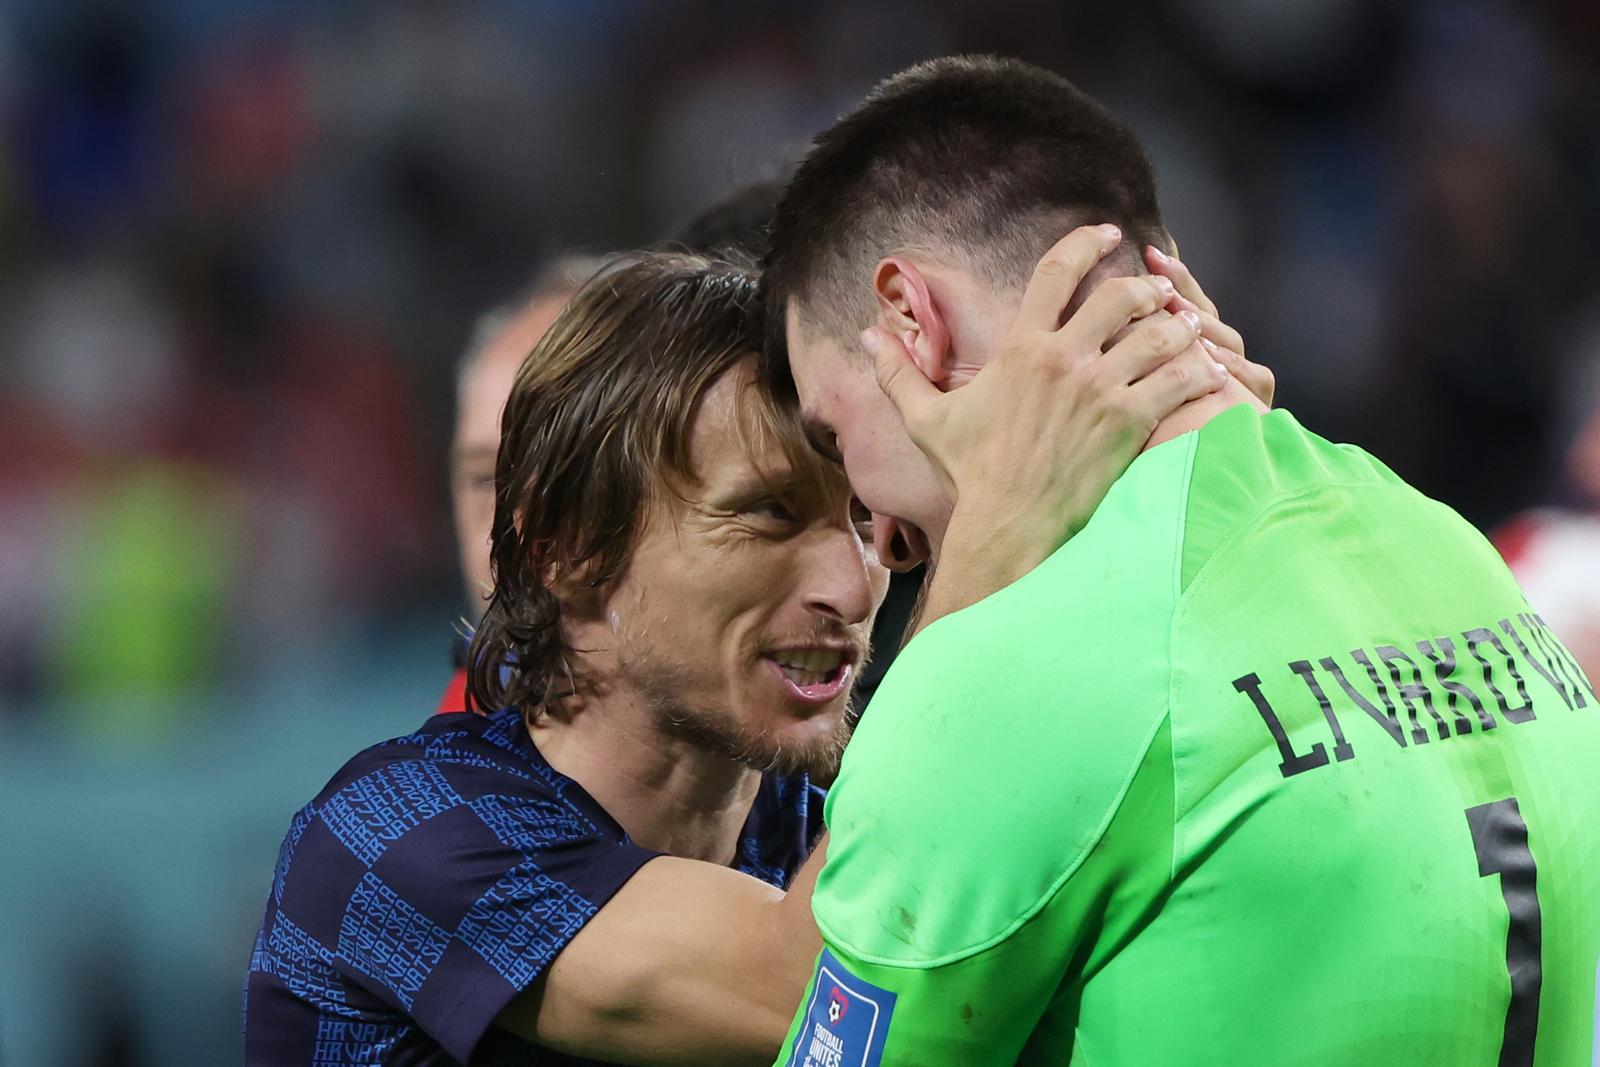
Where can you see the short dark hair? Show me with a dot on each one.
(598, 422)
(985, 158)
(734, 226)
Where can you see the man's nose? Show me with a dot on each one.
(838, 581)
(897, 548)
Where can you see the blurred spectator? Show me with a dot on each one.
(1555, 551)
(501, 340)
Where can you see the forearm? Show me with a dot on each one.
(731, 998)
(698, 965)
(797, 932)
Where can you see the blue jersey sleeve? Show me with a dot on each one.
(439, 878)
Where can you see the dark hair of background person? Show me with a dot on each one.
(599, 420)
(732, 227)
(987, 160)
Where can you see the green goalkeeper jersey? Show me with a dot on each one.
(1271, 764)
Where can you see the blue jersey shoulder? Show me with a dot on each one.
(437, 875)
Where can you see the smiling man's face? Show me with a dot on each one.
(744, 612)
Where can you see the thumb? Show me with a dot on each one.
(898, 375)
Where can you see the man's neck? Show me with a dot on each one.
(1196, 413)
(667, 793)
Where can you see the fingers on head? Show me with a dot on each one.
(1170, 335)
(1149, 345)
(1136, 295)
(1220, 332)
(889, 360)
(1190, 376)
(1258, 379)
(1058, 275)
(1115, 303)
(1174, 268)
(1196, 373)
(892, 377)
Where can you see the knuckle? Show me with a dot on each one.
(1133, 292)
(1054, 266)
(1160, 336)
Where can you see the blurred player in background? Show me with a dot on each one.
(501, 340)
(1555, 552)
(1270, 763)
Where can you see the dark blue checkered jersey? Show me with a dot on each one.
(434, 878)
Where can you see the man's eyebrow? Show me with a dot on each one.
(755, 488)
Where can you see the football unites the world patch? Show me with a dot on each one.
(845, 1021)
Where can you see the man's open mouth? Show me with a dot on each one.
(814, 674)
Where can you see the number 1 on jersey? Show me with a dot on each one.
(1500, 837)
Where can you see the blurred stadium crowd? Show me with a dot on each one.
(242, 244)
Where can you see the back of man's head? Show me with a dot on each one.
(984, 161)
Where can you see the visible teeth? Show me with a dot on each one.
(812, 660)
(803, 678)
(808, 666)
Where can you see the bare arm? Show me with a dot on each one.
(689, 964)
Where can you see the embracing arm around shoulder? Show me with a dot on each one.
(690, 963)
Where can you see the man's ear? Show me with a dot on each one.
(907, 309)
